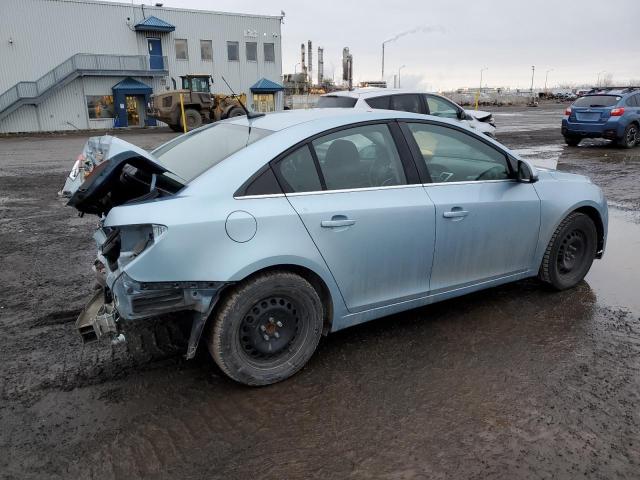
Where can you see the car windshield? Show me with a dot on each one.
(336, 102)
(188, 156)
(597, 101)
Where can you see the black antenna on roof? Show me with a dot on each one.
(250, 115)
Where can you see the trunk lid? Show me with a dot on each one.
(110, 172)
(590, 115)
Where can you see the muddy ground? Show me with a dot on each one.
(513, 382)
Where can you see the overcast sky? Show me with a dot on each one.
(456, 38)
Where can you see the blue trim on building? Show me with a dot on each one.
(154, 24)
(130, 87)
(266, 86)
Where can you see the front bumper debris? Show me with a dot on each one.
(97, 319)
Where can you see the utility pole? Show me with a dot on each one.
(399, 74)
(480, 89)
(546, 76)
(533, 72)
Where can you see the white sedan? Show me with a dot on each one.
(409, 101)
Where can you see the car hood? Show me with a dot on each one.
(110, 172)
(568, 177)
(549, 174)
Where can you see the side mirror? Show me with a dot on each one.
(525, 175)
(462, 115)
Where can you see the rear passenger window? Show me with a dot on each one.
(264, 184)
(453, 156)
(379, 102)
(406, 103)
(633, 101)
(359, 157)
(298, 172)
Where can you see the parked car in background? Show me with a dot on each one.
(410, 101)
(611, 113)
(276, 229)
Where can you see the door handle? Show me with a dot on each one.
(455, 213)
(336, 222)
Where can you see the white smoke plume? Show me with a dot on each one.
(420, 29)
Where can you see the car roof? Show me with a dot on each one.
(333, 117)
(617, 91)
(370, 92)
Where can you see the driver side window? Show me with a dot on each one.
(441, 108)
(454, 156)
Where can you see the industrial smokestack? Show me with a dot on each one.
(303, 63)
(320, 65)
(310, 58)
(347, 67)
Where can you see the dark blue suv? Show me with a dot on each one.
(611, 113)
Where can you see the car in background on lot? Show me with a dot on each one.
(410, 101)
(610, 113)
(274, 230)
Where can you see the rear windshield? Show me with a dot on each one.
(336, 102)
(597, 101)
(188, 156)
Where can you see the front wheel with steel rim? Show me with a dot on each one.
(570, 252)
(631, 136)
(266, 328)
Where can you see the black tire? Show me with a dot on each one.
(235, 112)
(570, 252)
(630, 137)
(281, 305)
(175, 128)
(572, 141)
(193, 119)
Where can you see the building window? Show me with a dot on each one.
(100, 106)
(206, 50)
(269, 52)
(182, 51)
(252, 52)
(233, 51)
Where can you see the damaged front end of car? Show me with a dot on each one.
(111, 173)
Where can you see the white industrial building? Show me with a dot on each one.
(81, 64)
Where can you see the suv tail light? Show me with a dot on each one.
(617, 112)
(567, 112)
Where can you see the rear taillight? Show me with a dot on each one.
(617, 112)
(567, 112)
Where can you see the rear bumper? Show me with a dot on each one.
(609, 130)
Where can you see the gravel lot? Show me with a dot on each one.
(513, 382)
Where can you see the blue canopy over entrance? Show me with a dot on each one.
(131, 98)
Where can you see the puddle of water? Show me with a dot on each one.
(616, 277)
(545, 156)
(525, 128)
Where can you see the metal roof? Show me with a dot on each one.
(266, 86)
(132, 86)
(154, 24)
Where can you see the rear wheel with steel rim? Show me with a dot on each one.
(631, 136)
(267, 328)
(570, 252)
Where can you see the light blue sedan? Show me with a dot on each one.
(275, 230)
